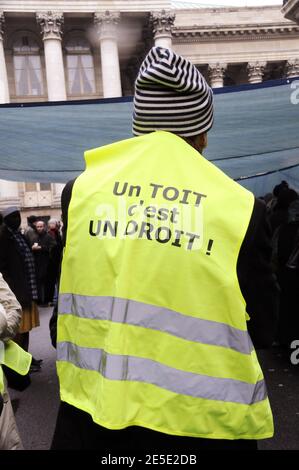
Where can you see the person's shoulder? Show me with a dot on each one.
(67, 193)
(67, 190)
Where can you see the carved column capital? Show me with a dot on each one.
(107, 23)
(292, 68)
(216, 71)
(162, 22)
(256, 71)
(51, 23)
(2, 21)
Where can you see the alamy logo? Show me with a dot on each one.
(295, 354)
(171, 216)
(295, 93)
(1, 352)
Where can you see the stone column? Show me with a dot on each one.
(56, 194)
(162, 23)
(292, 68)
(107, 23)
(256, 71)
(9, 194)
(4, 92)
(51, 27)
(216, 73)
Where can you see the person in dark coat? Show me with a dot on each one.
(42, 245)
(30, 231)
(54, 260)
(12, 263)
(18, 270)
(279, 215)
(286, 242)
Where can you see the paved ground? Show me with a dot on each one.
(36, 407)
(282, 379)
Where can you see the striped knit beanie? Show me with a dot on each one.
(171, 95)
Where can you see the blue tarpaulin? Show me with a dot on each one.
(255, 138)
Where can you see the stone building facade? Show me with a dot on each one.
(56, 50)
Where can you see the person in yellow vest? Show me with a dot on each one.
(13, 357)
(164, 256)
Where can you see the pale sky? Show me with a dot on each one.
(242, 3)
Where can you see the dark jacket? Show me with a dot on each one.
(257, 281)
(12, 267)
(42, 257)
(287, 239)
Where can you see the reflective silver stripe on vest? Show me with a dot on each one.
(156, 318)
(136, 369)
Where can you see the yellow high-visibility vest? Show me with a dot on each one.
(14, 357)
(152, 326)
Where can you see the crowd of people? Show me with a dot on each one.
(283, 216)
(29, 270)
(46, 245)
(29, 262)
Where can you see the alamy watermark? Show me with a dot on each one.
(1, 352)
(153, 211)
(295, 354)
(295, 93)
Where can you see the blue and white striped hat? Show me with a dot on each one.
(171, 95)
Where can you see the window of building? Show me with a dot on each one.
(37, 194)
(30, 187)
(27, 67)
(80, 67)
(45, 186)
